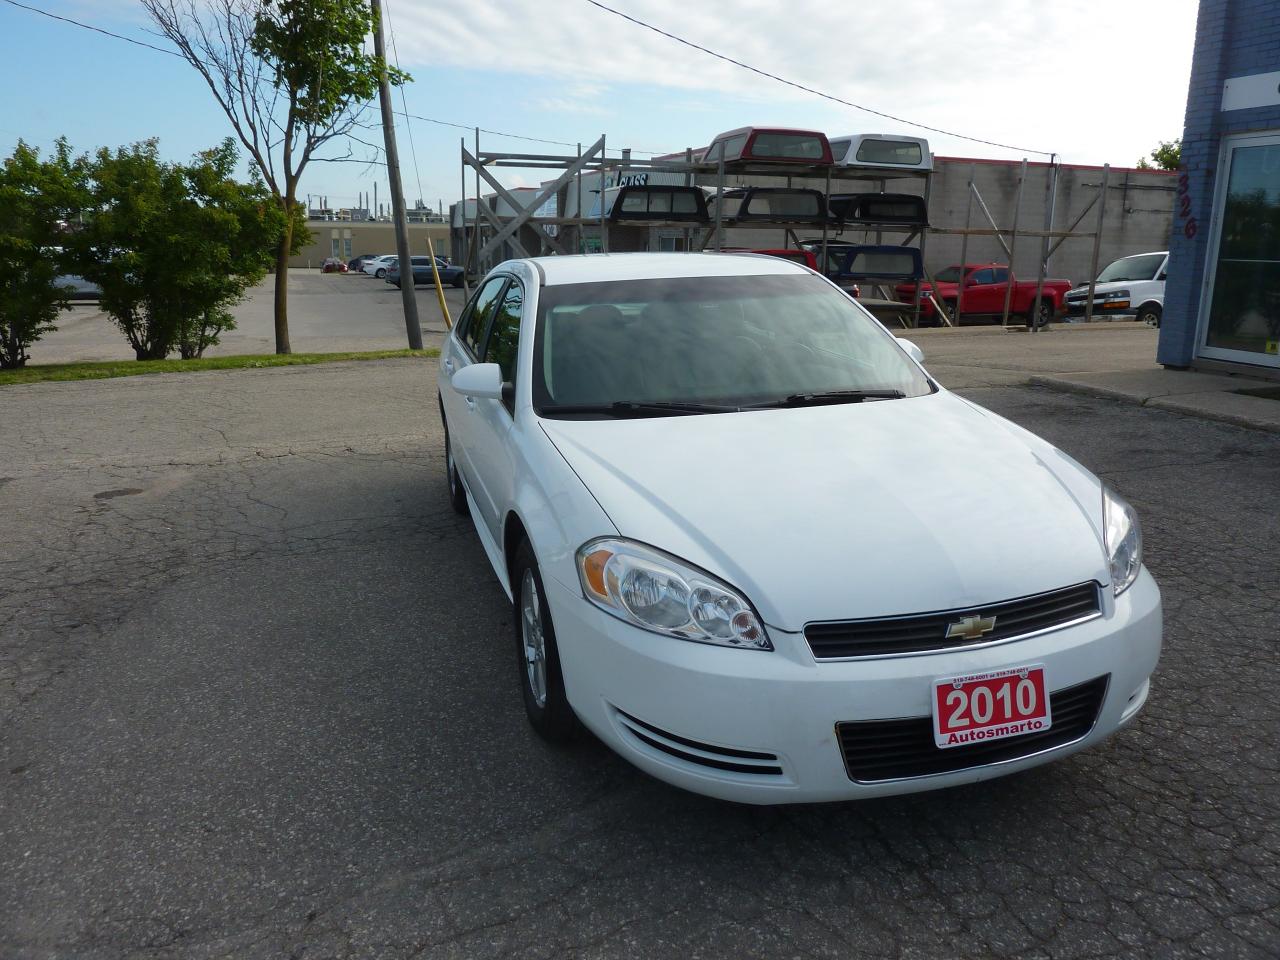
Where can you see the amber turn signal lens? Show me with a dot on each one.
(593, 571)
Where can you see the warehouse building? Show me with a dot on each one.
(1222, 302)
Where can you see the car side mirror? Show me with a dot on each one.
(482, 380)
(913, 351)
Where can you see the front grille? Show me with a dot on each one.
(702, 754)
(927, 632)
(877, 750)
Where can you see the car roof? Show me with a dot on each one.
(600, 267)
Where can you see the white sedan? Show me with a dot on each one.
(757, 550)
(377, 266)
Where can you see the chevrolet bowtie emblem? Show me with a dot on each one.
(970, 628)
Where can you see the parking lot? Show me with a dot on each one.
(258, 698)
(328, 313)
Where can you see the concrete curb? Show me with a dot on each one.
(1224, 406)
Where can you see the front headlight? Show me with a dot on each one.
(1115, 295)
(657, 592)
(1123, 538)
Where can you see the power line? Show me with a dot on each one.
(413, 116)
(87, 26)
(413, 149)
(801, 86)
(515, 136)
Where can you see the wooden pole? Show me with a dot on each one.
(1097, 242)
(435, 275)
(1013, 241)
(407, 297)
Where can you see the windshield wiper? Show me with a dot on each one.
(638, 408)
(830, 396)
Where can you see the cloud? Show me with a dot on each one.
(1028, 73)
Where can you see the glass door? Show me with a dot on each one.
(1240, 311)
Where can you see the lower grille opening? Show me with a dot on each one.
(702, 754)
(876, 750)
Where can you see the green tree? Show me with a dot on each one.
(292, 76)
(37, 198)
(174, 245)
(1167, 156)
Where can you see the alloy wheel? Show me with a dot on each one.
(535, 650)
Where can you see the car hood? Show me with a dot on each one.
(1101, 288)
(853, 510)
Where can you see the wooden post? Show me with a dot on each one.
(1097, 242)
(407, 297)
(1051, 199)
(1013, 241)
(964, 242)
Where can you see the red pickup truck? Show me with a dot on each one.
(985, 285)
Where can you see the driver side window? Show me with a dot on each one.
(475, 319)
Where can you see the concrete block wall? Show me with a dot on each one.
(1233, 38)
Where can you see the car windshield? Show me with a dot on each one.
(1142, 267)
(723, 342)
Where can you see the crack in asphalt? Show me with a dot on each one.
(264, 705)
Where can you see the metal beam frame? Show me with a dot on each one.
(506, 195)
(509, 228)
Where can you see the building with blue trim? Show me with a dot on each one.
(1222, 298)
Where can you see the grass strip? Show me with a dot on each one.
(108, 369)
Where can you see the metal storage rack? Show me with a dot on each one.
(506, 228)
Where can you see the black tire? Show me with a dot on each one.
(950, 307)
(1150, 314)
(457, 281)
(1046, 313)
(549, 713)
(457, 493)
(381, 273)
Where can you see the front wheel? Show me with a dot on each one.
(1150, 315)
(537, 655)
(381, 274)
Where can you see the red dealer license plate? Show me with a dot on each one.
(990, 706)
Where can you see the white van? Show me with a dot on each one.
(1130, 286)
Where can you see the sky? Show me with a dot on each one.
(1094, 81)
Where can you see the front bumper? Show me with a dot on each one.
(1075, 309)
(761, 727)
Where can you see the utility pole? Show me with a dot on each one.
(411, 325)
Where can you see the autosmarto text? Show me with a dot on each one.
(995, 733)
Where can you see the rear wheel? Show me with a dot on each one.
(1150, 315)
(457, 281)
(381, 273)
(537, 655)
(1041, 318)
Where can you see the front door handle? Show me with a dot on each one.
(448, 365)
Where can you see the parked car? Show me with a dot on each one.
(984, 294)
(333, 265)
(377, 266)
(449, 274)
(356, 264)
(1130, 286)
(77, 287)
(758, 551)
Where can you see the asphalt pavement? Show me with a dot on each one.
(258, 698)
